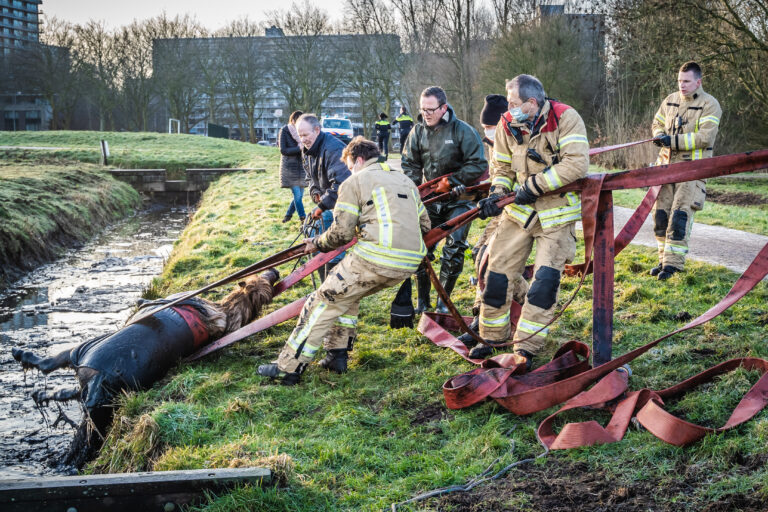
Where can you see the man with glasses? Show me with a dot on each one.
(540, 146)
(442, 145)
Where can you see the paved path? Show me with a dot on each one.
(730, 248)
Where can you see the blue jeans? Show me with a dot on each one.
(297, 205)
(327, 221)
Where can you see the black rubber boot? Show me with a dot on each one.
(468, 340)
(448, 282)
(423, 287)
(273, 372)
(655, 270)
(528, 358)
(483, 351)
(667, 272)
(335, 360)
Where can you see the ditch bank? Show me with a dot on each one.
(45, 210)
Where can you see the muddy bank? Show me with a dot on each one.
(46, 209)
(562, 486)
(88, 292)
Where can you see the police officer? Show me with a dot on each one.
(540, 146)
(440, 145)
(686, 126)
(382, 134)
(404, 123)
(383, 209)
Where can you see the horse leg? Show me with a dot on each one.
(29, 359)
(42, 397)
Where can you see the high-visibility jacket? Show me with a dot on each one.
(382, 128)
(404, 122)
(559, 138)
(383, 209)
(691, 122)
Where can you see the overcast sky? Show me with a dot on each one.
(212, 14)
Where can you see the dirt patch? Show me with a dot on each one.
(560, 486)
(430, 413)
(736, 198)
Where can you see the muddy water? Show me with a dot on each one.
(87, 293)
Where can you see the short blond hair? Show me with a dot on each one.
(360, 147)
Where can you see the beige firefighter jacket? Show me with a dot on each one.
(691, 122)
(560, 139)
(383, 209)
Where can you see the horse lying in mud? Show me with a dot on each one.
(141, 353)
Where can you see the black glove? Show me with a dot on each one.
(458, 190)
(524, 195)
(401, 313)
(664, 140)
(488, 206)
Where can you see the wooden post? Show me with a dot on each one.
(104, 152)
(123, 492)
(602, 289)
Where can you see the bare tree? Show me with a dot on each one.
(95, 49)
(306, 66)
(135, 72)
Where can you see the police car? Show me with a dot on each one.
(339, 127)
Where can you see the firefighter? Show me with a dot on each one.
(382, 134)
(383, 209)
(441, 144)
(540, 146)
(685, 126)
(494, 107)
(404, 124)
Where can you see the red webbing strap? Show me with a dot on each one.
(647, 406)
(627, 233)
(521, 398)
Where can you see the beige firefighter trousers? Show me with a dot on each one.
(329, 317)
(509, 251)
(673, 219)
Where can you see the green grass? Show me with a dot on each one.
(381, 433)
(142, 150)
(45, 207)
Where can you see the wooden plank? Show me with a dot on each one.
(602, 289)
(162, 490)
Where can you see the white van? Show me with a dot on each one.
(339, 127)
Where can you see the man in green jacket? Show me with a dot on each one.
(442, 145)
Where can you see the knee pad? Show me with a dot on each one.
(495, 293)
(679, 224)
(543, 291)
(660, 222)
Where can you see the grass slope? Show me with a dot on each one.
(381, 433)
(143, 150)
(46, 207)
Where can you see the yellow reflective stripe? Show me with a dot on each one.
(557, 216)
(519, 211)
(660, 118)
(295, 342)
(531, 327)
(419, 205)
(388, 257)
(385, 166)
(385, 218)
(573, 198)
(348, 207)
(709, 119)
(495, 322)
(552, 179)
(697, 154)
(347, 321)
(676, 249)
(688, 140)
(503, 181)
(570, 139)
(502, 157)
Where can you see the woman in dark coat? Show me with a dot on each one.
(292, 173)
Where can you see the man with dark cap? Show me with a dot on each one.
(494, 107)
